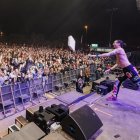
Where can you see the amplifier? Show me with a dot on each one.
(103, 90)
(108, 83)
(60, 111)
(96, 83)
(41, 117)
(44, 119)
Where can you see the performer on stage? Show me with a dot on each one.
(123, 62)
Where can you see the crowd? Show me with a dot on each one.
(19, 63)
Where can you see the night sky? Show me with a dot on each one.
(58, 17)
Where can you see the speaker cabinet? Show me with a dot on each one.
(82, 123)
(109, 84)
(103, 90)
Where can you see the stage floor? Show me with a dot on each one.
(121, 118)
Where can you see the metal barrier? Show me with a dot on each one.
(57, 82)
(7, 100)
(39, 88)
(19, 93)
(48, 85)
(67, 80)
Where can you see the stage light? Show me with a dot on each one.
(86, 26)
(86, 29)
(1, 33)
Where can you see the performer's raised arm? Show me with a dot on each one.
(114, 52)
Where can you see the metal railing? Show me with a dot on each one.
(13, 95)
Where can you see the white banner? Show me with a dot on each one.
(71, 43)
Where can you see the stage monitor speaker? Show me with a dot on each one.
(109, 84)
(82, 123)
(103, 90)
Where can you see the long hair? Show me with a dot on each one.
(122, 44)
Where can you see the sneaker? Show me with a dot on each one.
(111, 98)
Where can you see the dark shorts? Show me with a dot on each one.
(131, 73)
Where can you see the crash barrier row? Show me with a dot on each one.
(17, 95)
